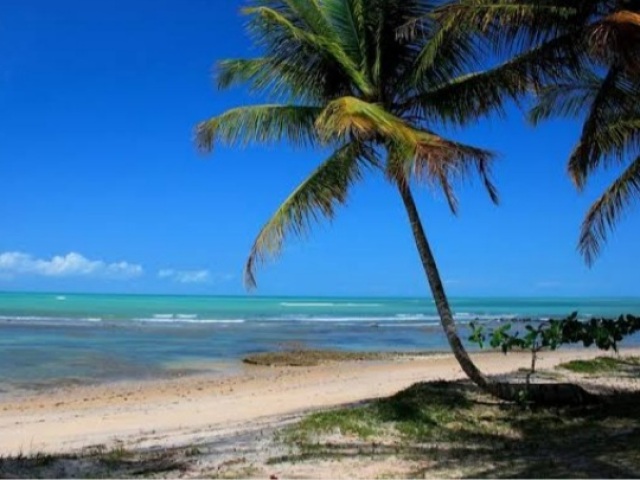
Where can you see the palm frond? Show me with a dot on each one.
(312, 15)
(514, 25)
(464, 98)
(261, 124)
(391, 58)
(348, 18)
(237, 71)
(445, 53)
(567, 99)
(348, 117)
(277, 79)
(281, 37)
(438, 163)
(606, 211)
(315, 198)
(609, 101)
(377, 47)
(616, 38)
(619, 139)
(614, 136)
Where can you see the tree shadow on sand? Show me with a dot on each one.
(95, 462)
(446, 429)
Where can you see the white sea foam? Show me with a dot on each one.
(402, 319)
(462, 317)
(26, 318)
(415, 316)
(328, 304)
(337, 319)
(359, 304)
(41, 320)
(360, 319)
(177, 316)
(307, 304)
(466, 316)
(391, 320)
(408, 325)
(61, 297)
(234, 320)
(176, 320)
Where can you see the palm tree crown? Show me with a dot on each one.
(342, 73)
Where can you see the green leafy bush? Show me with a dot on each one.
(604, 333)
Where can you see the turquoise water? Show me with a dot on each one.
(49, 338)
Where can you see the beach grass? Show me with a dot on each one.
(599, 365)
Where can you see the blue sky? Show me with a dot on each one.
(103, 191)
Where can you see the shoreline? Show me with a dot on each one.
(165, 413)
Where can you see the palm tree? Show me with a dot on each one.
(582, 59)
(341, 75)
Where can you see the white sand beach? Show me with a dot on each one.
(180, 411)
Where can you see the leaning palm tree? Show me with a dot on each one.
(341, 74)
(582, 59)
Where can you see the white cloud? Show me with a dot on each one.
(70, 265)
(185, 276)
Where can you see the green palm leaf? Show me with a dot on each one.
(280, 80)
(318, 196)
(351, 117)
(514, 25)
(260, 124)
(613, 119)
(282, 37)
(568, 99)
(620, 138)
(466, 97)
(605, 212)
(312, 15)
(348, 18)
(608, 103)
(447, 56)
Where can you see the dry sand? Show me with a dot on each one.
(181, 411)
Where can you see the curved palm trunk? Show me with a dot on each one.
(559, 393)
(439, 295)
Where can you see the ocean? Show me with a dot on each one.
(51, 338)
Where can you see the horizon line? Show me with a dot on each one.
(253, 295)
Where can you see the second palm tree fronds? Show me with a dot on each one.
(582, 59)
